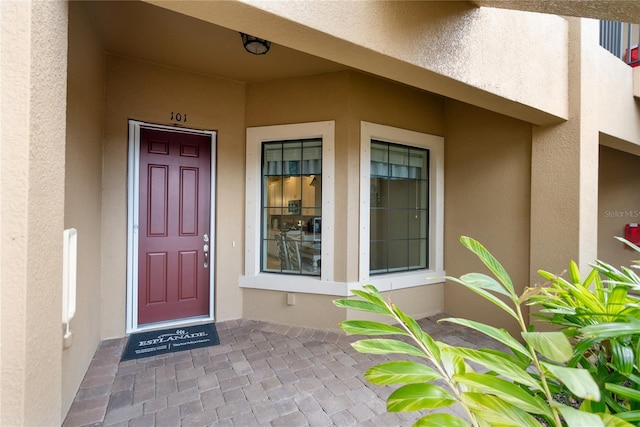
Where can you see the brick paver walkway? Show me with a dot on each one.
(261, 374)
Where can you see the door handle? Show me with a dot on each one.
(205, 249)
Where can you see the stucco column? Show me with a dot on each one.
(33, 102)
(564, 169)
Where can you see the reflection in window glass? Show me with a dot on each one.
(399, 216)
(291, 206)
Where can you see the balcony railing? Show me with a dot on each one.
(622, 40)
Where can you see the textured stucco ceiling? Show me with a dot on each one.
(612, 10)
(144, 31)
(140, 30)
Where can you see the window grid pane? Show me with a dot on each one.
(399, 213)
(291, 207)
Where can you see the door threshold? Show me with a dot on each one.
(171, 323)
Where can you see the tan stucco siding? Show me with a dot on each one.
(83, 197)
(387, 103)
(33, 95)
(487, 197)
(501, 60)
(618, 109)
(150, 93)
(618, 204)
(564, 164)
(348, 98)
(310, 99)
(307, 309)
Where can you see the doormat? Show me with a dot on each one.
(146, 344)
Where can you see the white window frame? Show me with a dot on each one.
(435, 144)
(253, 277)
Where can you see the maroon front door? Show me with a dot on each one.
(174, 225)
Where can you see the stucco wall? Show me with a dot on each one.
(618, 109)
(33, 42)
(618, 204)
(383, 102)
(309, 99)
(487, 197)
(450, 48)
(564, 163)
(348, 98)
(83, 185)
(150, 93)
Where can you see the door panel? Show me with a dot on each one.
(174, 204)
(157, 203)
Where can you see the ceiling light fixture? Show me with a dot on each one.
(255, 45)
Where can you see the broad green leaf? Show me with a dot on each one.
(505, 390)
(515, 358)
(356, 304)
(518, 359)
(608, 270)
(421, 336)
(485, 282)
(371, 294)
(367, 327)
(440, 420)
(616, 300)
(495, 411)
(401, 372)
(580, 349)
(487, 295)
(500, 365)
(592, 279)
(623, 240)
(501, 335)
(631, 310)
(622, 391)
(372, 290)
(416, 397)
(579, 381)
(386, 346)
(623, 357)
(576, 418)
(631, 416)
(632, 275)
(612, 330)
(492, 264)
(612, 401)
(598, 287)
(635, 378)
(452, 363)
(431, 345)
(552, 345)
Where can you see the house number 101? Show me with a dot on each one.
(179, 117)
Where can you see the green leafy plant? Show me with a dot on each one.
(518, 387)
(601, 315)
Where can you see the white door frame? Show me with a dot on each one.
(133, 191)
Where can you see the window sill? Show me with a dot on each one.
(314, 285)
(409, 279)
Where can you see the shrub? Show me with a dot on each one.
(519, 387)
(601, 316)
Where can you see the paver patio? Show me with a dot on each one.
(261, 374)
